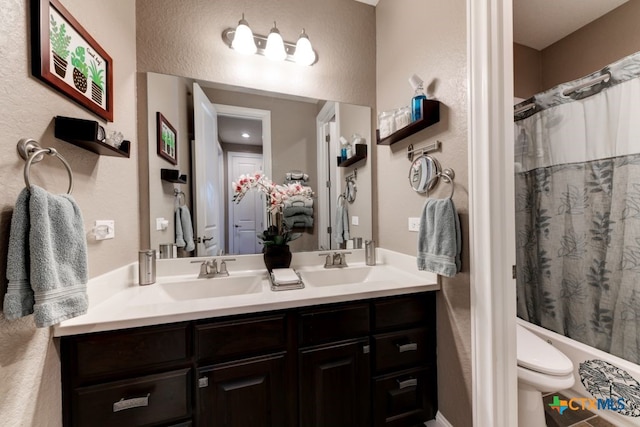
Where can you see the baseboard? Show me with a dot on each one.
(440, 421)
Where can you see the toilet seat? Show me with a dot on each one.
(536, 355)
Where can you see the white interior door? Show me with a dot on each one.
(246, 219)
(207, 185)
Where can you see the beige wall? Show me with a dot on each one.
(170, 96)
(185, 38)
(439, 56)
(527, 71)
(592, 47)
(105, 187)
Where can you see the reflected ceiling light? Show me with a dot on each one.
(243, 40)
(245, 135)
(274, 47)
(304, 52)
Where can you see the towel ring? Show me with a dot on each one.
(447, 176)
(32, 152)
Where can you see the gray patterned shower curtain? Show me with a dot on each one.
(577, 183)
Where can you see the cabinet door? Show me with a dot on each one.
(246, 393)
(334, 385)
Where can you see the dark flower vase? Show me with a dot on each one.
(277, 256)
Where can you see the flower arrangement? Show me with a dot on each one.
(276, 196)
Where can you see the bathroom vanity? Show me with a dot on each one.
(332, 357)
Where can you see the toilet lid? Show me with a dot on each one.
(538, 355)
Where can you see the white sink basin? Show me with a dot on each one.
(353, 275)
(181, 288)
(213, 288)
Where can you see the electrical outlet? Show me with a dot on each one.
(414, 224)
(105, 229)
(355, 220)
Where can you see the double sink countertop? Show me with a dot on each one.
(116, 301)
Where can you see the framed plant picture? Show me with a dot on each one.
(167, 140)
(67, 58)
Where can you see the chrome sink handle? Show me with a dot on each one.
(328, 262)
(223, 272)
(204, 269)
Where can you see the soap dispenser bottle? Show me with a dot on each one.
(416, 102)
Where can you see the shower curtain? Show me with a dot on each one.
(577, 182)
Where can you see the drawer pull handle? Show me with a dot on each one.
(407, 347)
(411, 382)
(135, 402)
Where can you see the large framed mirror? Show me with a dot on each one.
(224, 132)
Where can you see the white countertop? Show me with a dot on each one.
(116, 301)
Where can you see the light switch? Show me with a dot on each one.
(104, 229)
(355, 220)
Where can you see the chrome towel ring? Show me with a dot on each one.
(32, 152)
(447, 176)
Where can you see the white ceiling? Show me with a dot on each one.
(540, 23)
(230, 130)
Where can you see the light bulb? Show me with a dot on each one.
(275, 45)
(243, 38)
(304, 54)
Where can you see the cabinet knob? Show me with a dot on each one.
(203, 382)
(412, 346)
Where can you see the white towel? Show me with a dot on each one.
(47, 259)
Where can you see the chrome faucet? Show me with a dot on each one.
(335, 260)
(209, 268)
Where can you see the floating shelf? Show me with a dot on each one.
(430, 116)
(87, 134)
(361, 153)
(173, 175)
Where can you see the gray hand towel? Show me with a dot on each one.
(53, 260)
(187, 228)
(341, 233)
(179, 233)
(439, 239)
(18, 301)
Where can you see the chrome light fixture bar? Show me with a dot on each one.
(300, 52)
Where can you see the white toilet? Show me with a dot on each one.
(542, 368)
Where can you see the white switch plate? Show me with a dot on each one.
(414, 224)
(161, 224)
(355, 220)
(105, 229)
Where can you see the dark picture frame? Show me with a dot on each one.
(67, 58)
(167, 139)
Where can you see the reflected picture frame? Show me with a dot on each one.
(167, 139)
(67, 58)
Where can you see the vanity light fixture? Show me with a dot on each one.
(275, 45)
(243, 40)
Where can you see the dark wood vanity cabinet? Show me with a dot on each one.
(364, 363)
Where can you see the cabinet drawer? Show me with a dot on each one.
(113, 353)
(403, 349)
(138, 401)
(334, 324)
(240, 338)
(405, 399)
(405, 311)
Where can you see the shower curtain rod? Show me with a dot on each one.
(592, 82)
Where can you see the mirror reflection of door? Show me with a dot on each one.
(246, 218)
(207, 184)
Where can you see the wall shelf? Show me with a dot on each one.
(87, 134)
(430, 116)
(361, 153)
(173, 175)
